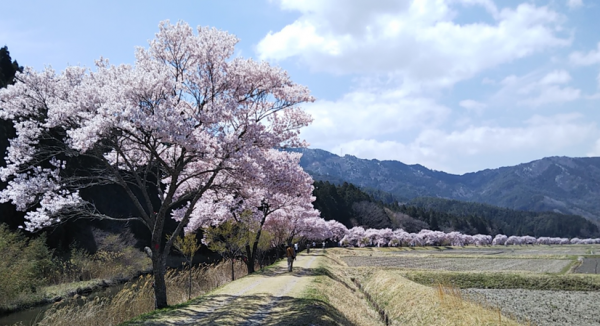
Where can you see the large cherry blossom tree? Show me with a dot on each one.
(175, 131)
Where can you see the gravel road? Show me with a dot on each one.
(259, 299)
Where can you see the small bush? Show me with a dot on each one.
(115, 258)
(27, 266)
(23, 266)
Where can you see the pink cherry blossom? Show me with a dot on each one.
(188, 123)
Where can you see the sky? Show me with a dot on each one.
(455, 85)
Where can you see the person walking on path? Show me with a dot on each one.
(291, 255)
(308, 248)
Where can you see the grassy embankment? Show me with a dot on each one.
(404, 302)
(333, 286)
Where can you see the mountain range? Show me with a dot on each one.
(559, 184)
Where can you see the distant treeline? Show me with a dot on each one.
(513, 222)
(352, 206)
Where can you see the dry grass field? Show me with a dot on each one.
(536, 285)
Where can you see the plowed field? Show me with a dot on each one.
(461, 264)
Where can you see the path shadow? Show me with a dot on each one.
(251, 310)
(296, 271)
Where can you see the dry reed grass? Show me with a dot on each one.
(410, 303)
(104, 264)
(449, 296)
(137, 297)
(334, 286)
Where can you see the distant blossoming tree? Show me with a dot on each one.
(279, 189)
(187, 124)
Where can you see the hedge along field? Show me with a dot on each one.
(541, 285)
(462, 264)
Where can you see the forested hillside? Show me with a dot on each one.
(514, 222)
(351, 206)
(561, 184)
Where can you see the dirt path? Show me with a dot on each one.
(273, 297)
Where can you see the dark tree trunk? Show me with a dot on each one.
(190, 283)
(251, 252)
(250, 260)
(232, 272)
(160, 286)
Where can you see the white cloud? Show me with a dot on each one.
(472, 105)
(370, 114)
(535, 90)
(392, 150)
(509, 80)
(553, 95)
(548, 132)
(488, 81)
(417, 42)
(572, 4)
(556, 77)
(585, 59)
(448, 151)
(595, 150)
(405, 56)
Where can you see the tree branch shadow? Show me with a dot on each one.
(253, 310)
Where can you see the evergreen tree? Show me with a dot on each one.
(8, 69)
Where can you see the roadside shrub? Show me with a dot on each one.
(116, 257)
(23, 265)
(28, 267)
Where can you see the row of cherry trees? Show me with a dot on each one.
(360, 237)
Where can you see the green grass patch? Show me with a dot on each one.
(480, 280)
(570, 267)
(313, 294)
